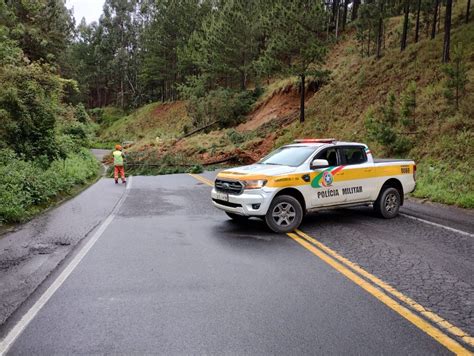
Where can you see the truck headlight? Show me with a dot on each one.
(254, 184)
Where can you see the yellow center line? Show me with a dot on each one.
(423, 325)
(202, 179)
(442, 323)
(307, 242)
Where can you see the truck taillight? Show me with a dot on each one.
(414, 172)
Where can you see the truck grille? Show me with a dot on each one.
(230, 187)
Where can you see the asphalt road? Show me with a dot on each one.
(172, 275)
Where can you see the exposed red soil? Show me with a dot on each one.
(281, 103)
(162, 109)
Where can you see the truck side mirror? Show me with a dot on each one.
(319, 163)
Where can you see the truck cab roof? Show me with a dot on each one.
(316, 144)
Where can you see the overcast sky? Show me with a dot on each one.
(90, 9)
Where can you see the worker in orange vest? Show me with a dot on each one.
(118, 164)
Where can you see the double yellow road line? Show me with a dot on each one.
(377, 287)
(392, 298)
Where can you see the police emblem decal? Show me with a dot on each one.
(327, 179)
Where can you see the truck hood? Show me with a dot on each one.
(256, 171)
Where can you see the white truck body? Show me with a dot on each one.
(352, 177)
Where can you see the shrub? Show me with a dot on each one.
(81, 114)
(445, 184)
(384, 127)
(226, 107)
(29, 98)
(24, 186)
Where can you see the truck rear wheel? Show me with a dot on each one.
(388, 203)
(284, 214)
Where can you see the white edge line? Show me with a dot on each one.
(437, 225)
(13, 334)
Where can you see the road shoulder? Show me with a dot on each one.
(29, 254)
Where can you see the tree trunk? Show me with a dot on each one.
(417, 26)
(121, 94)
(439, 17)
(344, 14)
(335, 6)
(380, 31)
(447, 31)
(302, 95)
(337, 22)
(435, 20)
(406, 10)
(468, 8)
(355, 10)
(368, 44)
(243, 80)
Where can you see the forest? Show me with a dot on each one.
(60, 76)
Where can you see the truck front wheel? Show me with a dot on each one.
(284, 214)
(388, 203)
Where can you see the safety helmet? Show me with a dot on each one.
(118, 147)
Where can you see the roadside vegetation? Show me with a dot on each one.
(43, 129)
(375, 75)
(188, 85)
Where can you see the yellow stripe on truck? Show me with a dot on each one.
(346, 174)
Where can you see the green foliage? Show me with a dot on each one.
(166, 56)
(385, 128)
(444, 183)
(367, 26)
(456, 77)
(10, 53)
(408, 105)
(223, 106)
(237, 138)
(41, 28)
(294, 47)
(196, 169)
(26, 186)
(81, 114)
(29, 100)
(228, 43)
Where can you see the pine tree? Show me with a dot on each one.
(447, 31)
(167, 60)
(406, 11)
(380, 28)
(355, 10)
(468, 8)
(295, 46)
(43, 29)
(417, 25)
(456, 77)
(435, 19)
(229, 43)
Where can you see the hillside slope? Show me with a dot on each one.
(440, 138)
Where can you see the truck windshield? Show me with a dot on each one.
(292, 156)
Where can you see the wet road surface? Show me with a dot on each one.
(172, 275)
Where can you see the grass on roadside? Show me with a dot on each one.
(443, 184)
(27, 188)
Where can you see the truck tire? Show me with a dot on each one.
(237, 217)
(388, 203)
(284, 214)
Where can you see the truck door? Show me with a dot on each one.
(356, 179)
(325, 188)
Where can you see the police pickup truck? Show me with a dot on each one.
(311, 175)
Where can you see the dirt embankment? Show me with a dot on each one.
(281, 103)
(282, 106)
